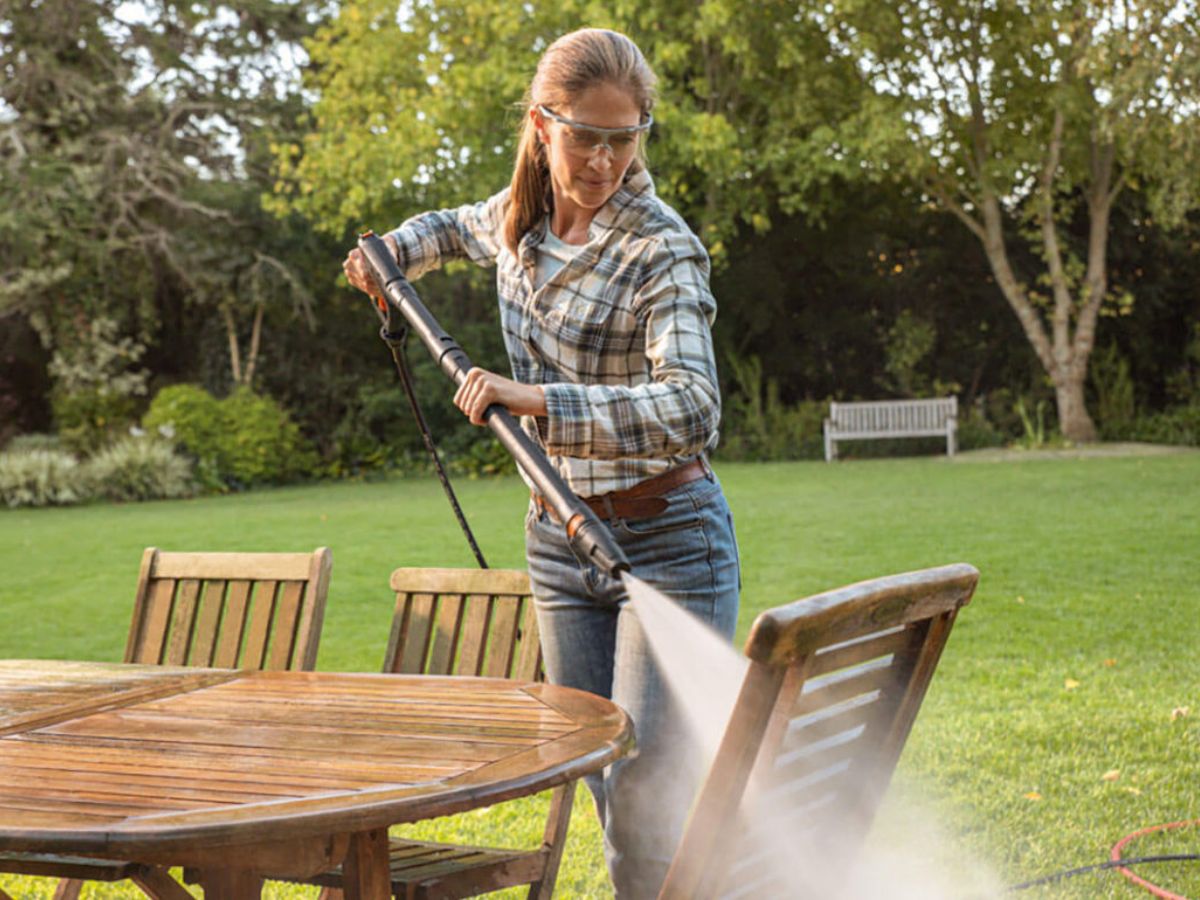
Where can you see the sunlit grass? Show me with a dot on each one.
(1066, 667)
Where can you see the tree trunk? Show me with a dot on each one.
(1073, 418)
(235, 353)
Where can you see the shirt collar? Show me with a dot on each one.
(635, 185)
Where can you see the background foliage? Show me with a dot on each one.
(178, 186)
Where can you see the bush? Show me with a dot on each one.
(975, 431)
(138, 468)
(1114, 393)
(376, 432)
(23, 443)
(91, 418)
(482, 457)
(243, 440)
(190, 417)
(261, 444)
(758, 425)
(1180, 425)
(41, 478)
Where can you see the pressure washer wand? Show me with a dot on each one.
(589, 537)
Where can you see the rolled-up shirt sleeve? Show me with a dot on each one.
(676, 412)
(431, 239)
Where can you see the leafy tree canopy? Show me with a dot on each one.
(416, 106)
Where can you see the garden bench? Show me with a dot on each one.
(867, 420)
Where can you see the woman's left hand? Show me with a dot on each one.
(483, 388)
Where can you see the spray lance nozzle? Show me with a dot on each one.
(589, 537)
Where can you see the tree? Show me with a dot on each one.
(416, 107)
(130, 137)
(1026, 121)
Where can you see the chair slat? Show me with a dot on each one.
(183, 620)
(152, 629)
(262, 611)
(529, 662)
(227, 566)
(445, 637)
(473, 643)
(283, 632)
(837, 687)
(207, 622)
(829, 659)
(229, 644)
(418, 629)
(502, 646)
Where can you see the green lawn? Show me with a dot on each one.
(1048, 733)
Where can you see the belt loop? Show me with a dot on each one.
(609, 512)
(708, 472)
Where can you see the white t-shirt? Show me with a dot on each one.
(553, 254)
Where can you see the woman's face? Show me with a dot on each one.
(584, 175)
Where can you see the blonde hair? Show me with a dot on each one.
(575, 62)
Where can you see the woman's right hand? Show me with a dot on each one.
(358, 273)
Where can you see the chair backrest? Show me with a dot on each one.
(230, 610)
(833, 686)
(464, 622)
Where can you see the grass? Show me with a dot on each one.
(1048, 733)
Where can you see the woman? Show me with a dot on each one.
(606, 313)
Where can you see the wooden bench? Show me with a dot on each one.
(933, 417)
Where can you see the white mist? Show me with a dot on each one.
(704, 673)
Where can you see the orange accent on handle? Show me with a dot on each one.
(574, 524)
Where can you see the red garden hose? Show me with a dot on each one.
(1141, 882)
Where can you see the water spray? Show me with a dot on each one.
(588, 536)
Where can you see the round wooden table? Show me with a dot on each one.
(240, 773)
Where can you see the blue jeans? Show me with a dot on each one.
(591, 641)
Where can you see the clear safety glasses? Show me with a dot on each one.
(584, 140)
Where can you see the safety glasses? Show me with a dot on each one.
(584, 140)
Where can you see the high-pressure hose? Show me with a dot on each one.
(589, 537)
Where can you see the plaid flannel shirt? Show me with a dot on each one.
(619, 338)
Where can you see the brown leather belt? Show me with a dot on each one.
(643, 500)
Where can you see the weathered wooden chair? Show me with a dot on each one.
(467, 622)
(831, 692)
(225, 610)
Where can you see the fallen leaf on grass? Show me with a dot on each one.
(1033, 795)
(1020, 599)
(1133, 791)
(1111, 775)
(1070, 684)
(1109, 663)
(1180, 712)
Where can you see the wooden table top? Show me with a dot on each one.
(153, 762)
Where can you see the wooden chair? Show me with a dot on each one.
(467, 622)
(225, 610)
(831, 692)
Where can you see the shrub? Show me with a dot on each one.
(90, 418)
(190, 416)
(758, 425)
(975, 431)
(1179, 425)
(261, 444)
(23, 443)
(243, 440)
(139, 468)
(1114, 393)
(482, 457)
(41, 478)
